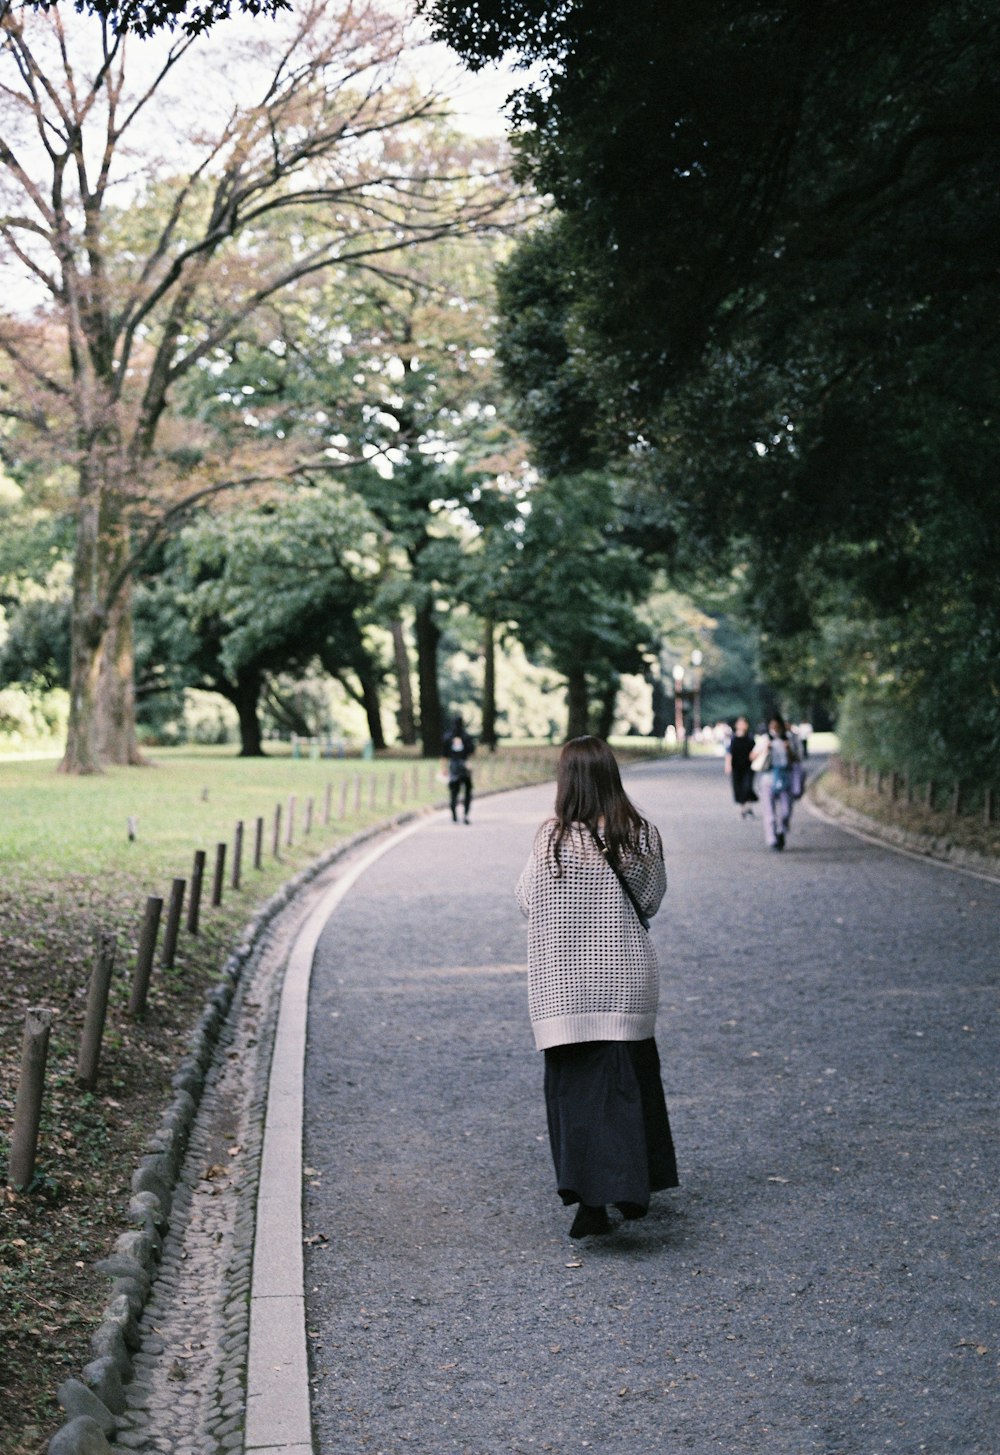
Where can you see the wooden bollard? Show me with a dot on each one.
(174, 910)
(929, 794)
(956, 799)
(327, 802)
(218, 879)
(144, 955)
(357, 793)
(28, 1109)
(97, 1009)
(390, 790)
(307, 830)
(987, 806)
(416, 780)
(258, 842)
(290, 833)
(343, 799)
(372, 792)
(194, 901)
(276, 834)
(237, 854)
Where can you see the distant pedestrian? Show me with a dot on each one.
(773, 758)
(594, 876)
(739, 769)
(456, 749)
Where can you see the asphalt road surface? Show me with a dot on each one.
(824, 1280)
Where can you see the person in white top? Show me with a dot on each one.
(773, 758)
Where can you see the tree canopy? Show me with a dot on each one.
(776, 236)
(146, 17)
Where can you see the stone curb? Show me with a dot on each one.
(922, 846)
(95, 1402)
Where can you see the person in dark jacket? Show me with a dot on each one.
(738, 767)
(456, 749)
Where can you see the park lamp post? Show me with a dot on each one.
(696, 660)
(678, 676)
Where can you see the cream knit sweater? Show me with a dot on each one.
(592, 970)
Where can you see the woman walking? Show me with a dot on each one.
(738, 767)
(594, 876)
(774, 758)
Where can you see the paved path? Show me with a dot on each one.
(825, 1280)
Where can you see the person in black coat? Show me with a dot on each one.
(456, 749)
(738, 767)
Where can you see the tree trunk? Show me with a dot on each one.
(407, 726)
(431, 724)
(577, 704)
(489, 734)
(116, 730)
(245, 697)
(372, 705)
(87, 626)
(102, 690)
(609, 698)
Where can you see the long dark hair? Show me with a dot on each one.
(589, 789)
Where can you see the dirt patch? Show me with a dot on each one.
(90, 1142)
(937, 832)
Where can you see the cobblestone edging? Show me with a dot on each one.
(925, 846)
(169, 1356)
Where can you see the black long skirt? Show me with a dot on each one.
(608, 1124)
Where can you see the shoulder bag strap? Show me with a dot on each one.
(642, 918)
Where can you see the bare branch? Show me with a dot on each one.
(33, 371)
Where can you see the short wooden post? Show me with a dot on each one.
(893, 785)
(172, 930)
(908, 787)
(372, 791)
(290, 832)
(28, 1109)
(929, 793)
(309, 818)
(390, 790)
(956, 799)
(276, 834)
(218, 879)
(987, 806)
(357, 793)
(237, 854)
(144, 956)
(96, 1012)
(416, 780)
(327, 804)
(343, 799)
(194, 900)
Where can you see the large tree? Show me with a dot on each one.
(304, 153)
(245, 597)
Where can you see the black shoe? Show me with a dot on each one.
(631, 1211)
(780, 842)
(590, 1222)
